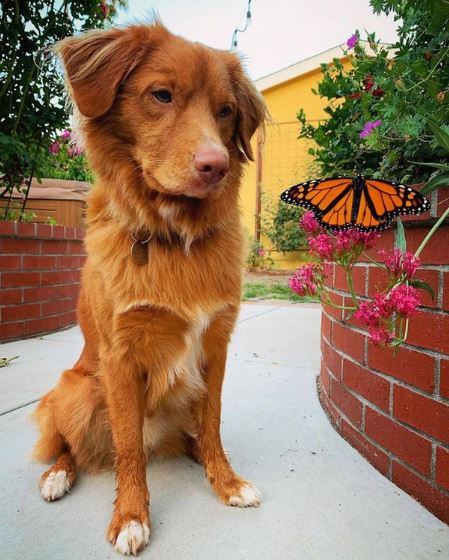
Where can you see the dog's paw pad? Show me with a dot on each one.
(133, 537)
(249, 496)
(54, 485)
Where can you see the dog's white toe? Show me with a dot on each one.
(133, 537)
(55, 486)
(249, 496)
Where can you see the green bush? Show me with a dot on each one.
(280, 225)
(379, 108)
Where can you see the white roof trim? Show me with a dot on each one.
(304, 66)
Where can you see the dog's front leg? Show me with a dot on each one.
(129, 529)
(207, 447)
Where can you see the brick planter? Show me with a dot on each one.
(40, 268)
(395, 409)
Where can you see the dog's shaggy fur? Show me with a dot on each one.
(150, 375)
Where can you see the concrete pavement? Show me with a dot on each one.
(321, 499)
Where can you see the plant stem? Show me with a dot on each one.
(431, 232)
(351, 286)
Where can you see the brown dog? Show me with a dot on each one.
(167, 126)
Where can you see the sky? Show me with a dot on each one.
(281, 33)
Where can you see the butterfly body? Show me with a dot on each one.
(356, 202)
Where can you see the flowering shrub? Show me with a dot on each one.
(66, 160)
(379, 107)
(386, 315)
(258, 257)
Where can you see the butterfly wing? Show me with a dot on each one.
(330, 199)
(386, 200)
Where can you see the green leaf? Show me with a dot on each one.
(400, 241)
(441, 180)
(423, 286)
(442, 137)
(442, 166)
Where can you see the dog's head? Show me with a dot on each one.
(185, 113)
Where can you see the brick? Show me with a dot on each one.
(42, 325)
(39, 262)
(332, 359)
(24, 229)
(331, 410)
(10, 297)
(428, 495)
(346, 402)
(405, 444)
(59, 277)
(377, 280)
(59, 232)
(68, 290)
(442, 200)
(431, 277)
(58, 307)
(326, 326)
(435, 252)
(54, 247)
(325, 379)
(19, 312)
(44, 231)
(10, 330)
(19, 246)
(410, 366)
(6, 228)
(375, 456)
(386, 241)
(429, 330)
(75, 248)
(358, 279)
(68, 262)
(80, 233)
(446, 291)
(70, 232)
(40, 294)
(367, 384)
(10, 262)
(444, 378)
(424, 414)
(20, 279)
(349, 341)
(442, 468)
(336, 299)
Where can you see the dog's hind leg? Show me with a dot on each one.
(58, 479)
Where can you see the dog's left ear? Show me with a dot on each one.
(251, 108)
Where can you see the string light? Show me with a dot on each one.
(238, 30)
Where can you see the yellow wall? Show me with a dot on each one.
(285, 159)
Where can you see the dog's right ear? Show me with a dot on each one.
(98, 61)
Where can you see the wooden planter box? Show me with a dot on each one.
(394, 409)
(63, 201)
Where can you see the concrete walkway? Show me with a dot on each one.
(321, 499)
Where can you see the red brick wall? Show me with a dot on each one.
(394, 409)
(40, 268)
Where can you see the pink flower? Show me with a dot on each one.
(261, 252)
(74, 151)
(348, 239)
(369, 127)
(399, 263)
(104, 9)
(404, 300)
(352, 41)
(380, 336)
(309, 223)
(54, 148)
(65, 134)
(305, 281)
(322, 245)
(367, 314)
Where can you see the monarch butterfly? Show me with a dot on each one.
(359, 202)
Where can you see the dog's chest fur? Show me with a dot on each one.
(173, 391)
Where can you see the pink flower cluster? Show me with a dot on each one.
(65, 137)
(369, 127)
(380, 313)
(400, 263)
(306, 280)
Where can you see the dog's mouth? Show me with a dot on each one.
(190, 187)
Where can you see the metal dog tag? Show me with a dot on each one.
(139, 252)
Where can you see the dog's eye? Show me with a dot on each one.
(162, 95)
(225, 111)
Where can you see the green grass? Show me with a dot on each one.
(253, 290)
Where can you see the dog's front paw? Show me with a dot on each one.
(129, 537)
(54, 484)
(247, 496)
